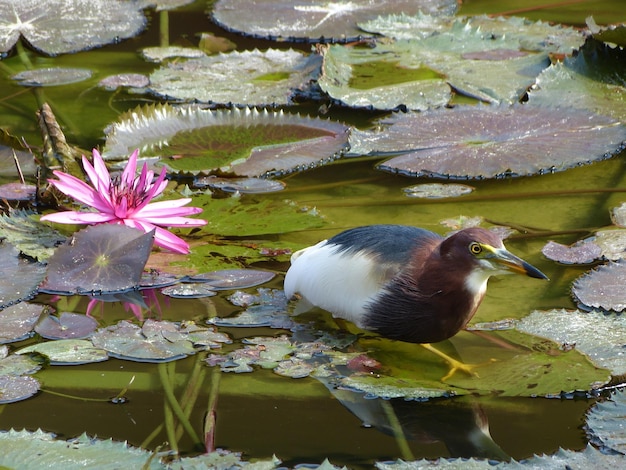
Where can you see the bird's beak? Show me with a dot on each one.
(512, 263)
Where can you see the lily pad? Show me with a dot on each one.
(245, 142)
(602, 287)
(599, 335)
(63, 26)
(19, 277)
(493, 141)
(160, 54)
(580, 253)
(66, 326)
(530, 35)
(17, 321)
(241, 185)
(128, 80)
(103, 258)
(270, 77)
(51, 76)
(67, 351)
(613, 34)
(437, 190)
(18, 388)
(605, 423)
(39, 450)
(191, 290)
(160, 341)
(314, 20)
(34, 239)
(618, 215)
(612, 242)
(592, 79)
(267, 308)
(233, 278)
(419, 74)
(17, 192)
(26, 162)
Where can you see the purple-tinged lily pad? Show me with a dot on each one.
(19, 277)
(191, 290)
(63, 26)
(580, 253)
(67, 352)
(17, 388)
(437, 190)
(66, 326)
(233, 278)
(244, 142)
(314, 20)
(270, 77)
(128, 80)
(53, 76)
(17, 191)
(103, 258)
(493, 141)
(17, 321)
(241, 185)
(602, 287)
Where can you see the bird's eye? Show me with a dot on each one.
(475, 248)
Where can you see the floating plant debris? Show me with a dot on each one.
(241, 185)
(51, 76)
(129, 80)
(437, 190)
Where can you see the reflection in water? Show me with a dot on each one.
(460, 425)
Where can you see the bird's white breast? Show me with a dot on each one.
(342, 283)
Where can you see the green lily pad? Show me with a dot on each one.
(590, 80)
(437, 190)
(38, 450)
(66, 326)
(530, 35)
(160, 54)
(244, 142)
(598, 335)
(314, 20)
(418, 74)
(35, 239)
(189, 290)
(68, 351)
(64, 26)
(51, 76)
(613, 34)
(124, 80)
(241, 185)
(270, 77)
(155, 341)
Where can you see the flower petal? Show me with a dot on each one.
(98, 174)
(166, 209)
(172, 221)
(81, 191)
(162, 237)
(128, 175)
(76, 217)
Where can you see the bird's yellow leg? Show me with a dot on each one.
(454, 364)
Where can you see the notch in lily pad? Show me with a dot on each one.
(101, 259)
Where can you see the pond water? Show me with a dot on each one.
(302, 420)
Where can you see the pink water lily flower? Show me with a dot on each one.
(125, 199)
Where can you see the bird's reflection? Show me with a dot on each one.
(460, 424)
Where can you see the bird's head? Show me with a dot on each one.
(476, 251)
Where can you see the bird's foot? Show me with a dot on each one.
(454, 364)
